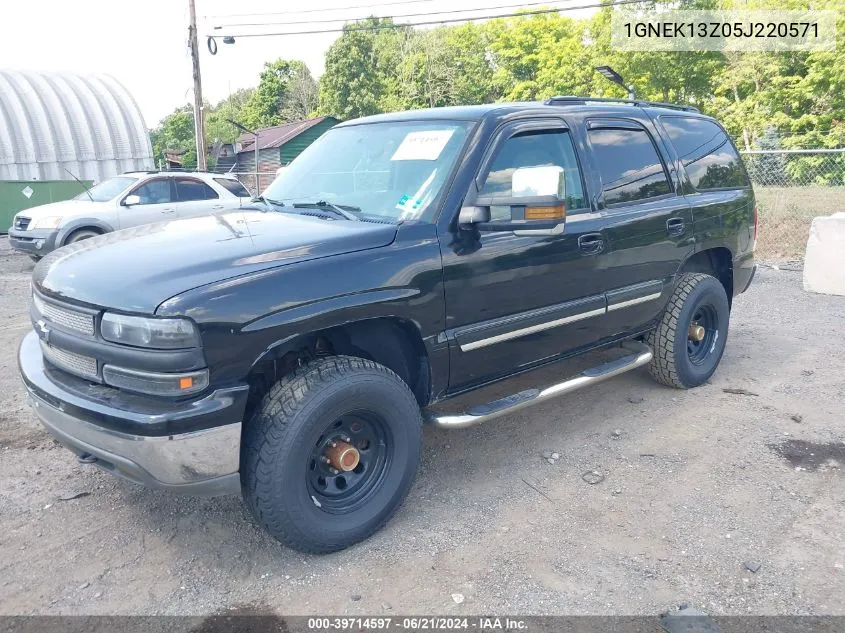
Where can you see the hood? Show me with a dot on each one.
(135, 270)
(65, 209)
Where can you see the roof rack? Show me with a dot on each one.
(573, 100)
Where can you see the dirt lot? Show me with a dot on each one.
(696, 484)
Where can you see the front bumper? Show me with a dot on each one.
(36, 242)
(202, 462)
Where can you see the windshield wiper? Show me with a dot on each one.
(268, 201)
(324, 205)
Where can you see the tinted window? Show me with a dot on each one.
(234, 187)
(628, 164)
(534, 149)
(188, 189)
(706, 153)
(154, 191)
(106, 190)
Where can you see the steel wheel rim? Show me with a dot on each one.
(704, 315)
(340, 492)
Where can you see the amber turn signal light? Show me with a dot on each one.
(186, 383)
(557, 212)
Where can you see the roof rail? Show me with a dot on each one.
(573, 100)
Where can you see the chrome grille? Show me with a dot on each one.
(65, 317)
(22, 223)
(78, 364)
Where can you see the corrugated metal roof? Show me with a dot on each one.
(277, 136)
(52, 122)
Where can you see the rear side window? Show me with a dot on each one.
(706, 153)
(629, 166)
(234, 187)
(188, 189)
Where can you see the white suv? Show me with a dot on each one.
(123, 201)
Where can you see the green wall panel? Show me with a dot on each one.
(13, 196)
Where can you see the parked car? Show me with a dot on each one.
(291, 352)
(124, 201)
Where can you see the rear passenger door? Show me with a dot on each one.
(196, 197)
(716, 185)
(648, 223)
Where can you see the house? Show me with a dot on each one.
(277, 146)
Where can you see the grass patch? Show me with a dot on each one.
(785, 214)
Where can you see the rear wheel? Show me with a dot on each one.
(689, 341)
(331, 453)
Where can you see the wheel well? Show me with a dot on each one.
(395, 343)
(93, 229)
(717, 262)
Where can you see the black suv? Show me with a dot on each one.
(292, 351)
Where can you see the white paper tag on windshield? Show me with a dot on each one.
(426, 145)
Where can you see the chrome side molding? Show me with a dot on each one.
(641, 355)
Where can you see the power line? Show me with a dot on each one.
(394, 17)
(321, 10)
(381, 27)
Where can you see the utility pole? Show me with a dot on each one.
(199, 122)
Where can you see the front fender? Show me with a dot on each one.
(79, 223)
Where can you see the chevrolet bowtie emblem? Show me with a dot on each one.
(43, 330)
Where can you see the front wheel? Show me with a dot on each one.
(81, 234)
(331, 453)
(689, 340)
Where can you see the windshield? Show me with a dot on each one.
(108, 189)
(393, 170)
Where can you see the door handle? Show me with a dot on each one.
(591, 243)
(675, 226)
(168, 210)
(216, 207)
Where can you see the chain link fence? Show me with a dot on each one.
(792, 187)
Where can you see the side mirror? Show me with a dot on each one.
(536, 203)
(128, 201)
(531, 182)
(474, 215)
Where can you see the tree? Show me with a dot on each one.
(176, 133)
(360, 66)
(303, 96)
(217, 117)
(271, 102)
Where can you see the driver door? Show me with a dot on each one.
(156, 203)
(516, 298)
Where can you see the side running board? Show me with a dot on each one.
(641, 355)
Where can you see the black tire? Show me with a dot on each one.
(280, 479)
(679, 361)
(81, 234)
(35, 258)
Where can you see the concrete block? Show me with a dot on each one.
(824, 260)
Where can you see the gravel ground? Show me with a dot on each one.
(695, 486)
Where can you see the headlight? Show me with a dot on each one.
(48, 222)
(146, 332)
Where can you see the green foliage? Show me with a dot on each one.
(176, 132)
(360, 67)
(286, 91)
(794, 98)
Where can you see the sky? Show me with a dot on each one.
(144, 44)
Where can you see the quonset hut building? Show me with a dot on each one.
(55, 126)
